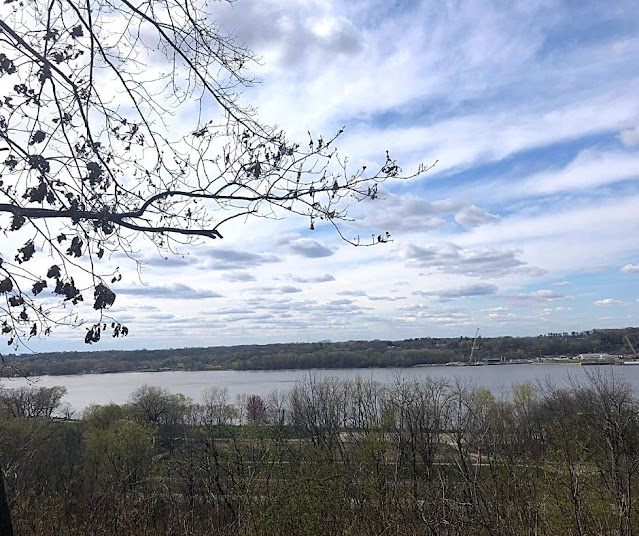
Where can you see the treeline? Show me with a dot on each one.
(349, 354)
(330, 457)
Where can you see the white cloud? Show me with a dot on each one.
(459, 292)
(439, 317)
(473, 216)
(305, 247)
(386, 298)
(407, 213)
(291, 36)
(453, 259)
(588, 170)
(630, 136)
(310, 279)
(631, 269)
(238, 276)
(172, 291)
(536, 296)
(500, 314)
(607, 302)
(562, 239)
(234, 259)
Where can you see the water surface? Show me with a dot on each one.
(86, 389)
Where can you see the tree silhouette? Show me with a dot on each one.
(121, 122)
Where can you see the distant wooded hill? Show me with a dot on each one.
(349, 354)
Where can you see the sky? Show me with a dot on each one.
(527, 224)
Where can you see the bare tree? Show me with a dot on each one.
(216, 408)
(277, 408)
(121, 122)
(318, 411)
(32, 402)
(614, 440)
(255, 408)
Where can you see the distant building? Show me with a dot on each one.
(595, 356)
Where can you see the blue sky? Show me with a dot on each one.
(527, 224)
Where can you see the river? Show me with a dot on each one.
(86, 389)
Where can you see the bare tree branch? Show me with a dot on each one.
(121, 123)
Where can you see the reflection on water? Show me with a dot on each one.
(87, 389)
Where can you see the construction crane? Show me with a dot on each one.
(635, 353)
(472, 349)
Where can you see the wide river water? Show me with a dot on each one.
(86, 389)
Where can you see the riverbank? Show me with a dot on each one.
(330, 355)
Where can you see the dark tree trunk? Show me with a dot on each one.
(6, 529)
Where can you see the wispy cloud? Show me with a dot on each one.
(453, 259)
(282, 289)
(387, 298)
(630, 136)
(589, 169)
(351, 293)
(324, 278)
(234, 259)
(172, 291)
(459, 292)
(607, 302)
(500, 314)
(439, 317)
(305, 247)
(473, 216)
(536, 296)
(238, 276)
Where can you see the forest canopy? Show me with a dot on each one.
(326, 354)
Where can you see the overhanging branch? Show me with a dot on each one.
(117, 219)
